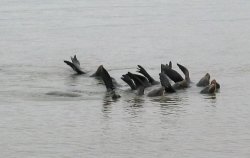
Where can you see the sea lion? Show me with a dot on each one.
(210, 89)
(166, 87)
(136, 82)
(98, 72)
(204, 81)
(169, 65)
(156, 92)
(141, 70)
(75, 65)
(139, 79)
(108, 83)
(184, 83)
(129, 81)
(165, 83)
(172, 74)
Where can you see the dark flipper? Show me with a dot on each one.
(107, 79)
(75, 65)
(134, 82)
(75, 60)
(170, 65)
(108, 83)
(145, 73)
(163, 68)
(76, 69)
(129, 81)
(138, 80)
(143, 79)
(172, 74)
(98, 72)
(165, 83)
(70, 64)
(204, 81)
(185, 71)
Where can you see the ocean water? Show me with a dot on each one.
(48, 111)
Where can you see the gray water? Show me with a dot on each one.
(47, 111)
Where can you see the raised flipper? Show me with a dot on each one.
(75, 65)
(70, 64)
(163, 68)
(129, 81)
(75, 61)
(170, 65)
(143, 79)
(204, 81)
(139, 80)
(172, 74)
(107, 79)
(145, 73)
(165, 83)
(108, 83)
(98, 72)
(166, 86)
(185, 71)
(184, 83)
(134, 82)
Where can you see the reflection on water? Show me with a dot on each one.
(167, 100)
(63, 94)
(107, 102)
(209, 96)
(73, 79)
(107, 107)
(136, 102)
(134, 106)
(169, 104)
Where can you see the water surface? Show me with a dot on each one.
(47, 111)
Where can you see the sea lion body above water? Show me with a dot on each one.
(210, 89)
(172, 74)
(141, 70)
(75, 65)
(156, 92)
(166, 87)
(184, 83)
(204, 81)
(108, 83)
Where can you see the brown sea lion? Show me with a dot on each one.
(210, 89)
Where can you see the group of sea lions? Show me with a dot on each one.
(138, 82)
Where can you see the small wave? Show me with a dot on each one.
(63, 94)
